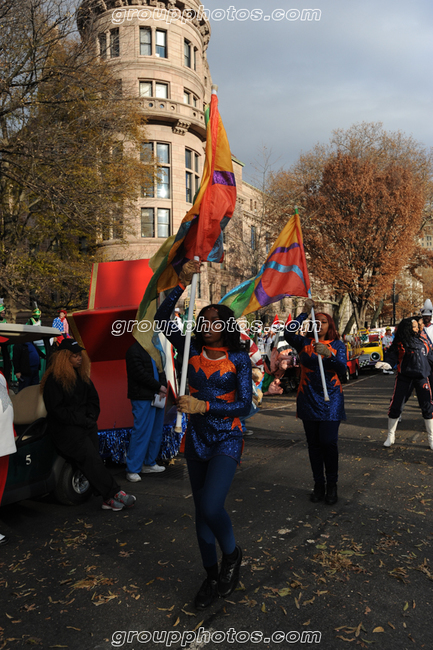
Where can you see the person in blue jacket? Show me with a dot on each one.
(321, 419)
(220, 387)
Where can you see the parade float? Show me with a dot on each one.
(104, 329)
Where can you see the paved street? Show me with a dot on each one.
(359, 573)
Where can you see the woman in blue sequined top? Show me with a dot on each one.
(220, 386)
(321, 419)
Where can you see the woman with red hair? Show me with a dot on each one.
(72, 405)
(321, 419)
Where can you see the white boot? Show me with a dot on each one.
(392, 426)
(429, 428)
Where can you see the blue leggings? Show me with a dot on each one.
(210, 483)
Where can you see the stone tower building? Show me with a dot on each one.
(162, 60)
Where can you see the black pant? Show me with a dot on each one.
(322, 439)
(403, 390)
(83, 450)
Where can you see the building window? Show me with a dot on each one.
(161, 90)
(195, 58)
(188, 187)
(251, 205)
(163, 182)
(163, 225)
(118, 224)
(223, 290)
(153, 89)
(161, 43)
(164, 167)
(189, 98)
(192, 178)
(162, 222)
(268, 242)
(118, 88)
(253, 238)
(114, 43)
(146, 156)
(102, 38)
(187, 53)
(147, 222)
(145, 41)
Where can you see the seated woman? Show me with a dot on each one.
(72, 405)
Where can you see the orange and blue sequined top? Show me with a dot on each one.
(311, 404)
(225, 384)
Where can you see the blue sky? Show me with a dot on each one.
(287, 84)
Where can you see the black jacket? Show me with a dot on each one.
(139, 369)
(412, 361)
(71, 415)
(21, 358)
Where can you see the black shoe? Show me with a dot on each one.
(207, 594)
(318, 494)
(229, 574)
(331, 494)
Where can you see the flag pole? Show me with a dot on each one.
(322, 371)
(185, 360)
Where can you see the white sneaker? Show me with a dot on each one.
(133, 477)
(152, 469)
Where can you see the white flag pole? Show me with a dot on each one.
(322, 372)
(189, 328)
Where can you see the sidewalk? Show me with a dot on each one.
(359, 573)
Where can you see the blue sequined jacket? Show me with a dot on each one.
(311, 404)
(224, 384)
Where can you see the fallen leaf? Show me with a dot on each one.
(177, 622)
(378, 629)
(263, 608)
(284, 592)
(188, 613)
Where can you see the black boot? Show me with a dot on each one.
(207, 594)
(318, 494)
(229, 574)
(331, 494)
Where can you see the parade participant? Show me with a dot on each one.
(411, 354)
(61, 323)
(144, 382)
(26, 359)
(2, 311)
(7, 438)
(386, 344)
(321, 419)
(387, 339)
(427, 313)
(72, 405)
(178, 318)
(220, 383)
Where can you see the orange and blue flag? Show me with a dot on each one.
(201, 231)
(283, 274)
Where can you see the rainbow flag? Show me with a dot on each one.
(283, 274)
(201, 231)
